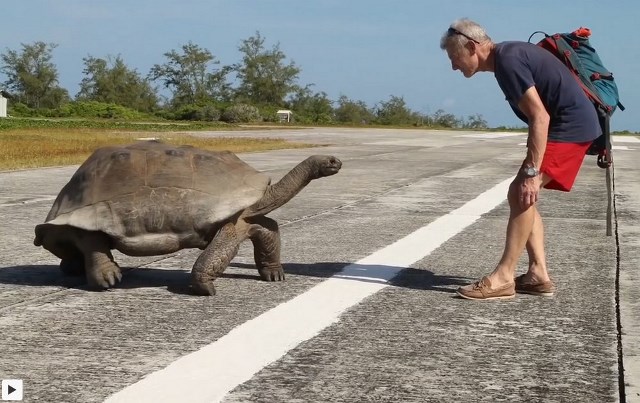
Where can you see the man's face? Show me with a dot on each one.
(464, 60)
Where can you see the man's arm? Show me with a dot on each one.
(531, 105)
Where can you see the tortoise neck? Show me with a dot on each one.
(284, 190)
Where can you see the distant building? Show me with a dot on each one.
(3, 106)
(284, 115)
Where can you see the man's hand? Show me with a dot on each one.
(528, 191)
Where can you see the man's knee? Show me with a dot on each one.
(512, 193)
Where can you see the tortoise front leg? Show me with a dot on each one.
(265, 236)
(214, 260)
(102, 270)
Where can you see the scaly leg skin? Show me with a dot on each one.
(265, 236)
(102, 270)
(214, 260)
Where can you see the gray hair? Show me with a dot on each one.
(461, 32)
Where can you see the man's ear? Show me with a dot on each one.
(471, 46)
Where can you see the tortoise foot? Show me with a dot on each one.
(203, 288)
(104, 277)
(272, 273)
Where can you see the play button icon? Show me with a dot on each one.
(12, 389)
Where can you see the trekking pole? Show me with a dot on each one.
(609, 201)
(605, 160)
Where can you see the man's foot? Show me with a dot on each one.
(481, 289)
(546, 288)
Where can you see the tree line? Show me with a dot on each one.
(200, 88)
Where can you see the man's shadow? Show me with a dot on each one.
(177, 281)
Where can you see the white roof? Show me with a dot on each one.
(284, 111)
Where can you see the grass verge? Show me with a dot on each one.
(42, 147)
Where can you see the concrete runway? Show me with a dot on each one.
(368, 313)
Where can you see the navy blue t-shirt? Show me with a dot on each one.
(521, 65)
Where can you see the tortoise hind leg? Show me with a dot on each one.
(265, 236)
(101, 269)
(214, 260)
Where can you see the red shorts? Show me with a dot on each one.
(561, 162)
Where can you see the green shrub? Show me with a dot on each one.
(268, 113)
(241, 113)
(210, 113)
(94, 109)
(19, 109)
(205, 113)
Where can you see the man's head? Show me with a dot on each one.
(467, 45)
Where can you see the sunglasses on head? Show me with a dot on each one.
(452, 31)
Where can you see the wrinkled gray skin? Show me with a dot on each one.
(150, 198)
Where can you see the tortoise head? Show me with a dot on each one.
(324, 165)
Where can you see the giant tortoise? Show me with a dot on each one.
(150, 198)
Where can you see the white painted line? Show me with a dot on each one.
(208, 374)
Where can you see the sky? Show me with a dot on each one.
(367, 50)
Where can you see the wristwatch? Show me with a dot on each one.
(530, 172)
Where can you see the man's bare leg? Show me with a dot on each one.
(524, 229)
(537, 272)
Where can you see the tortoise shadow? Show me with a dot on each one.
(403, 277)
(177, 281)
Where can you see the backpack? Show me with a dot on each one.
(575, 51)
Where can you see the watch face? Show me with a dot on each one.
(531, 171)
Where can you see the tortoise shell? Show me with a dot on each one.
(152, 192)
